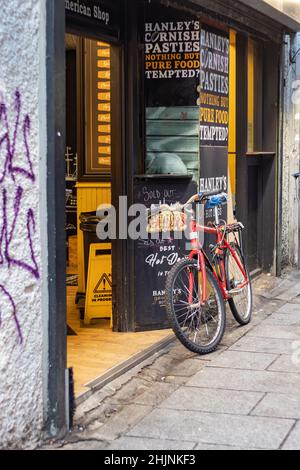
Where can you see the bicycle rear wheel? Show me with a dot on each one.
(199, 328)
(241, 301)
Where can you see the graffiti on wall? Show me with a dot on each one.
(17, 222)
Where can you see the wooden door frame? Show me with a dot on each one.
(269, 152)
(56, 400)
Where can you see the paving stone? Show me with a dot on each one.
(175, 380)
(290, 294)
(293, 275)
(178, 350)
(289, 308)
(276, 331)
(143, 443)
(212, 401)
(165, 362)
(243, 360)
(287, 290)
(293, 441)
(185, 368)
(233, 335)
(283, 319)
(278, 405)
(119, 424)
(246, 380)
(211, 357)
(209, 428)
(263, 345)
(287, 363)
(156, 394)
(280, 291)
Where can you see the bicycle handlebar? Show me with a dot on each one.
(203, 197)
(211, 193)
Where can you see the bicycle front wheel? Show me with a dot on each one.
(200, 328)
(241, 301)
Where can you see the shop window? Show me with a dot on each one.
(171, 67)
(172, 140)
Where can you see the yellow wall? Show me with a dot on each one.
(232, 127)
(250, 95)
(89, 197)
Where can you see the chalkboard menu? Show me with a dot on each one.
(155, 257)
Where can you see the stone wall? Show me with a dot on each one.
(291, 154)
(23, 222)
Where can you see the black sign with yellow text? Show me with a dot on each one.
(214, 113)
(171, 56)
(214, 88)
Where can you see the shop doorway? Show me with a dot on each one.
(96, 345)
(90, 67)
(256, 128)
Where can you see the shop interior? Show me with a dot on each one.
(94, 349)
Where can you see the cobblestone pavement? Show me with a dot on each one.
(244, 396)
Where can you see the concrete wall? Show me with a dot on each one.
(291, 154)
(23, 222)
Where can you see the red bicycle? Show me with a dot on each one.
(198, 287)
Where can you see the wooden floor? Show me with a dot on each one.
(96, 349)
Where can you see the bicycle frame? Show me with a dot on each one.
(198, 253)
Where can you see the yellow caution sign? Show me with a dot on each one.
(98, 302)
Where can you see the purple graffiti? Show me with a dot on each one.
(14, 312)
(10, 144)
(12, 194)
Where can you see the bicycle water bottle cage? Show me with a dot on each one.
(216, 201)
